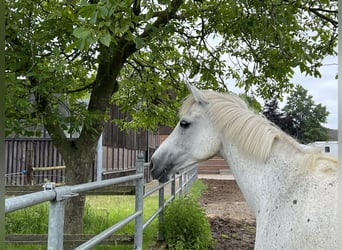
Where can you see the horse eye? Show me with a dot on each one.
(184, 124)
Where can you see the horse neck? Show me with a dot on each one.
(262, 182)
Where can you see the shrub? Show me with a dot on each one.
(185, 225)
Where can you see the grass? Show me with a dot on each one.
(197, 188)
(101, 212)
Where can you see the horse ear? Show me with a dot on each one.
(199, 97)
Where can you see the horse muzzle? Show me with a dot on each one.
(158, 172)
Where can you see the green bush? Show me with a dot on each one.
(185, 225)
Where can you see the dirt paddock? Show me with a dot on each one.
(232, 223)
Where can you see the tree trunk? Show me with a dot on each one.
(79, 154)
(79, 162)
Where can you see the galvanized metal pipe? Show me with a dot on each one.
(180, 181)
(139, 206)
(161, 205)
(23, 201)
(106, 233)
(99, 184)
(56, 225)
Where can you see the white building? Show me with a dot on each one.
(327, 147)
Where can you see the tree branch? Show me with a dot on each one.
(163, 17)
(317, 12)
(109, 68)
(81, 89)
(52, 125)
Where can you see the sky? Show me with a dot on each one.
(324, 90)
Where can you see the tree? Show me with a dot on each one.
(66, 61)
(306, 116)
(272, 112)
(301, 117)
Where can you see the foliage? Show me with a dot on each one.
(272, 112)
(252, 102)
(306, 116)
(185, 225)
(54, 50)
(38, 64)
(300, 117)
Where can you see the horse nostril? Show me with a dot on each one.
(151, 167)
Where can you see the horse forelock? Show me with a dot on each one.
(250, 132)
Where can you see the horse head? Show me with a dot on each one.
(194, 139)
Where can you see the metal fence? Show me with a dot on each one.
(57, 197)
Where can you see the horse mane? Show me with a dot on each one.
(252, 133)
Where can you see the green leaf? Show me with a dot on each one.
(106, 39)
(103, 11)
(139, 43)
(87, 10)
(81, 32)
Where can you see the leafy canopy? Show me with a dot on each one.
(306, 116)
(301, 117)
(56, 50)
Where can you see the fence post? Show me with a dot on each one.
(99, 160)
(173, 186)
(29, 170)
(186, 180)
(161, 205)
(56, 219)
(195, 175)
(180, 180)
(139, 198)
(56, 225)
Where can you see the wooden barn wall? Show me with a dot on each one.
(120, 148)
(23, 154)
(113, 136)
(119, 152)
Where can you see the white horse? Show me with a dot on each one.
(291, 188)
